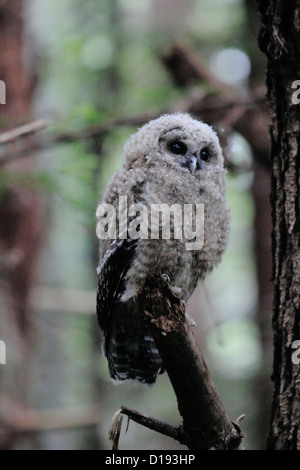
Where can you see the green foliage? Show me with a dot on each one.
(34, 181)
(73, 168)
(214, 21)
(85, 115)
(234, 347)
(70, 177)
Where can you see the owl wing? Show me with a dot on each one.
(129, 347)
(112, 277)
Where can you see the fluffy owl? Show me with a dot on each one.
(171, 160)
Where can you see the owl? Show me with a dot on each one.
(174, 162)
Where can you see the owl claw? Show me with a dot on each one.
(180, 292)
(166, 278)
(186, 292)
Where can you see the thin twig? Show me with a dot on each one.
(23, 131)
(186, 68)
(26, 148)
(175, 432)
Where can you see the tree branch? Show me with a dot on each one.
(222, 104)
(206, 425)
(175, 432)
(23, 131)
(209, 108)
(247, 116)
(186, 69)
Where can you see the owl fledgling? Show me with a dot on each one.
(177, 162)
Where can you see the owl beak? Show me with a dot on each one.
(193, 163)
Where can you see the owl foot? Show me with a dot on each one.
(180, 293)
(166, 278)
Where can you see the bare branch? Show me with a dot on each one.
(23, 131)
(175, 432)
(210, 109)
(222, 105)
(205, 421)
(186, 69)
(25, 147)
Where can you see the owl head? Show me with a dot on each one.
(177, 141)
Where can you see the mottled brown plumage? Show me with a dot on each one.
(171, 160)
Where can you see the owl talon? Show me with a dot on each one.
(186, 292)
(180, 293)
(166, 278)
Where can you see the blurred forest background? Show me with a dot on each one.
(95, 71)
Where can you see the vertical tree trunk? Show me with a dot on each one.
(12, 69)
(18, 207)
(20, 217)
(280, 40)
(262, 237)
(262, 234)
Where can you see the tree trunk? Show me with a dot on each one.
(280, 40)
(18, 207)
(20, 219)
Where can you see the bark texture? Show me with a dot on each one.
(206, 425)
(280, 40)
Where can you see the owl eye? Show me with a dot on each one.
(205, 154)
(177, 147)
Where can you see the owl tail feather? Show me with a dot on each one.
(131, 350)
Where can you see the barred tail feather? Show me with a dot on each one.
(131, 350)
